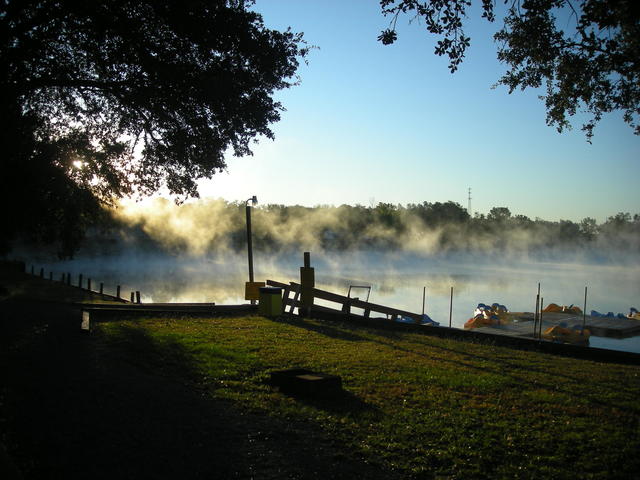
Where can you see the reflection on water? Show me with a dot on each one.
(397, 280)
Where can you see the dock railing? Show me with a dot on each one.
(345, 303)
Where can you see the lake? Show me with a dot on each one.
(396, 280)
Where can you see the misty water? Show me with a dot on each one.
(396, 280)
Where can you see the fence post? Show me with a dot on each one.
(346, 307)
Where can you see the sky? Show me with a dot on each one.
(371, 123)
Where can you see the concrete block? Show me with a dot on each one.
(300, 381)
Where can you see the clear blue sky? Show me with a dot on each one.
(372, 123)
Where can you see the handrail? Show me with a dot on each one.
(346, 302)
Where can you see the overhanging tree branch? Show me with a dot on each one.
(604, 64)
(188, 80)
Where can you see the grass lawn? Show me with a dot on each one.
(423, 406)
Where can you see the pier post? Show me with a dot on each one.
(451, 307)
(540, 326)
(584, 310)
(307, 284)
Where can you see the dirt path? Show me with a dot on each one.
(72, 410)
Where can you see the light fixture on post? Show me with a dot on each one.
(254, 201)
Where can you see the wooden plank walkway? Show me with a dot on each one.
(150, 307)
(162, 308)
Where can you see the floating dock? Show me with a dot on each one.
(522, 325)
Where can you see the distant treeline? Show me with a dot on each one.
(215, 226)
(210, 226)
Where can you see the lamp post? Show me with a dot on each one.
(254, 201)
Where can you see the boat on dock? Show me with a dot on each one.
(575, 336)
(521, 324)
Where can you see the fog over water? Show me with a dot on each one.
(397, 280)
(196, 252)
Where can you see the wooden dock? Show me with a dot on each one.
(522, 325)
(187, 309)
(149, 307)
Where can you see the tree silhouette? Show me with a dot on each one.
(107, 98)
(585, 53)
(499, 214)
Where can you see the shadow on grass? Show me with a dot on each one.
(169, 357)
(128, 405)
(343, 402)
(324, 329)
(137, 347)
(464, 359)
(518, 373)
